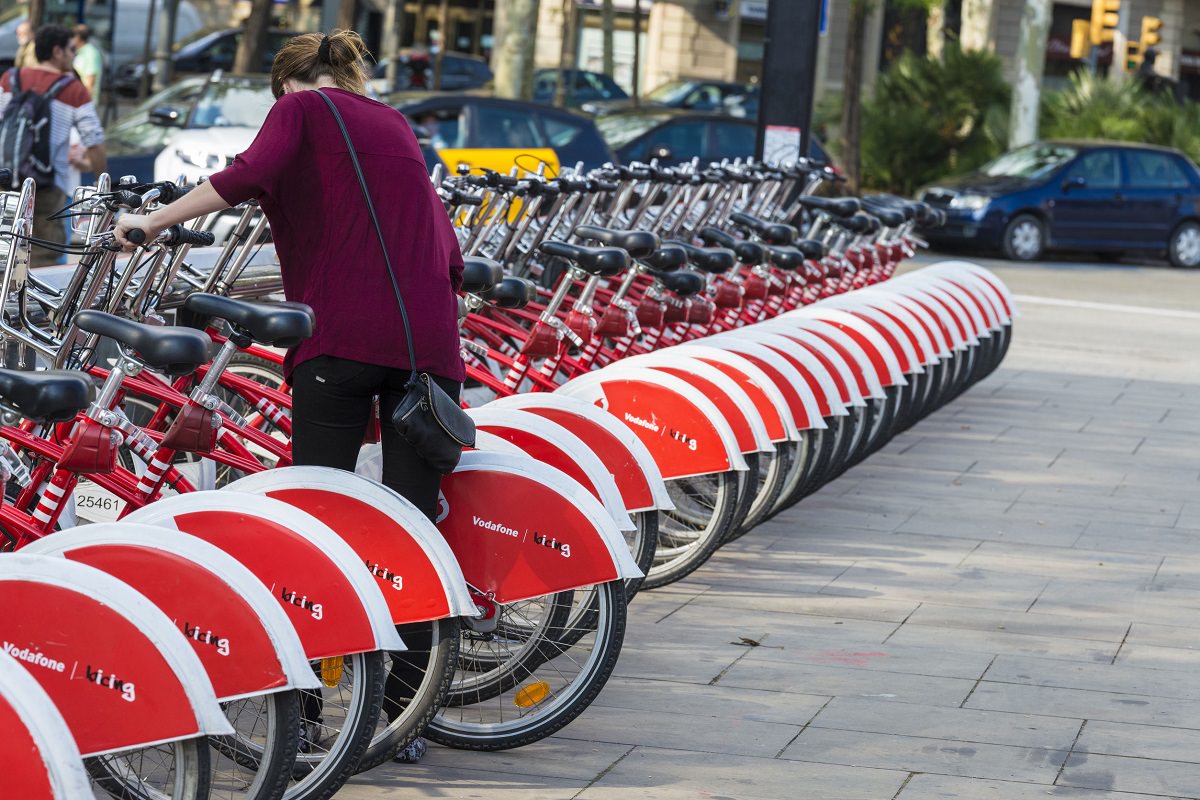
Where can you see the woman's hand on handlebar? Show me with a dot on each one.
(138, 222)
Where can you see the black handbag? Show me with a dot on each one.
(428, 418)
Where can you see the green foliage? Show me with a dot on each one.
(929, 118)
(1095, 108)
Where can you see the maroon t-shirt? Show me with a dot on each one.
(299, 170)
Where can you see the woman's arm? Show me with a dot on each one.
(199, 201)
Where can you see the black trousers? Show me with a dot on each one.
(331, 406)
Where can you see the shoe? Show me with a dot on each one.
(412, 753)
(310, 735)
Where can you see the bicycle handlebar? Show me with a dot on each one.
(175, 236)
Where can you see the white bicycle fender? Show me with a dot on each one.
(577, 454)
(53, 749)
(170, 510)
(701, 445)
(183, 673)
(562, 408)
(222, 566)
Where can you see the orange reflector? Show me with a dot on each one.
(531, 695)
(331, 670)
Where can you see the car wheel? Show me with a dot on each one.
(1184, 248)
(1024, 238)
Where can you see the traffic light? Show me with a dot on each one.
(1106, 15)
(1150, 32)
(1133, 56)
(1080, 43)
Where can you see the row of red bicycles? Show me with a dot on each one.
(659, 360)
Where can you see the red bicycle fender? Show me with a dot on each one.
(683, 429)
(41, 761)
(522, 529)
(627, 459)
(801, 400)
(116, 667)
(415, 570)
(246, 644)
(294, 556)
(552, 444)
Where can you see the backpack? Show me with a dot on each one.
(25, 131)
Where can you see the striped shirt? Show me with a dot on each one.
(71, 108)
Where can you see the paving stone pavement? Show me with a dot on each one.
(1002, 603)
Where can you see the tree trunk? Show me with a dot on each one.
(254, 38)
(347, 14)
(144, 83)
(976, 32)
(393, 36)
(608, 24)
(443, 42)
(166, 39)
(37, 12)
(852, 80)
(512, 55)
(1029, 64)
(566, 61)
(636, 94)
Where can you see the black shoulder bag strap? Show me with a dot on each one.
(432, 421)
(362, 183)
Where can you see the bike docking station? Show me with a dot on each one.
(270, 638)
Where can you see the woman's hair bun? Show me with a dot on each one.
(345, 48)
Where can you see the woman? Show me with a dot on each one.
(299, 170)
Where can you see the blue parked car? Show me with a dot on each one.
(1092, 196)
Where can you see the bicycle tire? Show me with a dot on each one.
(253, 765)
(412, 717)
(501, 655)
(643, 544)
(484, 726)
(747, 487)
(774, 470)
(317, 775)
(688, 535)
(187, 776)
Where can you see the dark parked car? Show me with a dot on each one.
(1094, 196)
(202, 53)
(677, 136)
(487, 124)
(582, 87)
(459, 71)
(691, 95)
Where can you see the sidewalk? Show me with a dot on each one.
(1003, 603)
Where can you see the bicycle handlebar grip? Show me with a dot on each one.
(127, 199)
(179, 235)
(172, 191)
(137, 236)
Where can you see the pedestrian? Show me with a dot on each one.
(48, 97)
(24, 56)
(299, 169)
(89, 62)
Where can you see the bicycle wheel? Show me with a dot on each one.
(171, 771)
(747, 486)
(688, 535)
(417, 684)
(773, 471)
(511, 637)
(541, 697)
(257, 761)
(337, 723)
(805, 452)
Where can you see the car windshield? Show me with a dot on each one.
(619, 130)
(233, 104)
(671, 93)
(1031, 161)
